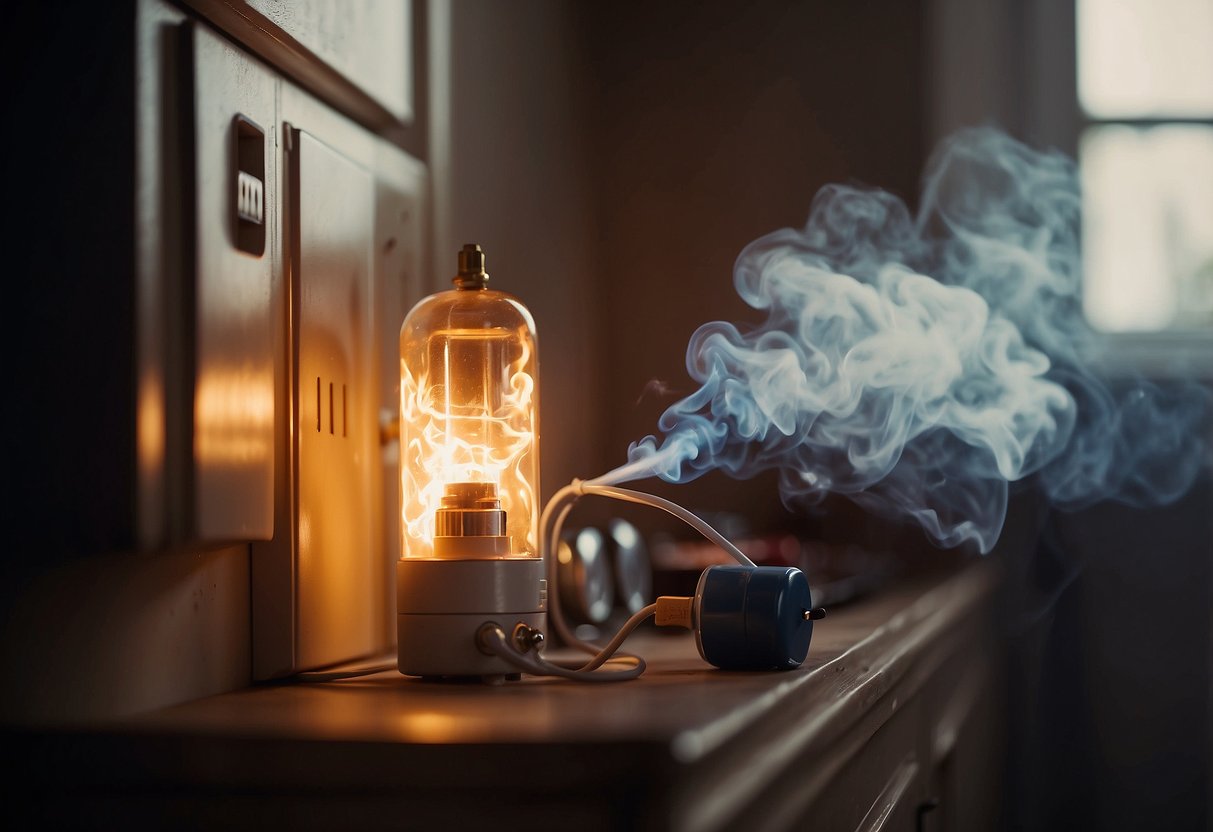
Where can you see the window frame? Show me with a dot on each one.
(1147, 340)
(1014, 63)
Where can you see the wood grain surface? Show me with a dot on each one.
(686, 746)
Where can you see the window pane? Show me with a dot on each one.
(1145, 57)
(1148, 226)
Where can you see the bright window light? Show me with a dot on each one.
(1145, 58)
(1145, 83)
(1148, 226)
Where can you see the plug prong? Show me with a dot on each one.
(675, 611)
(815, 614)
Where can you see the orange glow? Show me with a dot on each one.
(233, 417)
(434, 727)
(150, 423)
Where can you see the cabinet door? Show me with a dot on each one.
(336, 425)
(321, 588)
(880, 779)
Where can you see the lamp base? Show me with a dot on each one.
(441, 603)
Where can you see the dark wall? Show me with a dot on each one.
(68, 167)
(1109, 632)
(714, 124)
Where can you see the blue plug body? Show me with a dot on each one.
(753, 618)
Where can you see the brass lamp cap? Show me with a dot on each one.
(471, 268)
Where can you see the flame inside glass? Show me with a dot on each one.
(468, 414)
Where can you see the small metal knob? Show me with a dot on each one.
(527, 638)
(815, 614)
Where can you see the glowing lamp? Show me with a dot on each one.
(469, 468)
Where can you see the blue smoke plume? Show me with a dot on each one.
(920, 364)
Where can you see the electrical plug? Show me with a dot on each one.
(747, 617)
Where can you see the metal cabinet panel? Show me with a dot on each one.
(336, 427)
(351, 207)
(231, 492)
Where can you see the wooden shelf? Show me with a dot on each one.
(685, 746)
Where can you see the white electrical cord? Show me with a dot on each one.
(550, 524)
(492, 638)
(615, 643)
(336, 675)
(691, 519)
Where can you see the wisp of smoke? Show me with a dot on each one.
(920, 364)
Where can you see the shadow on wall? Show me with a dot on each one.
(1109, 622)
